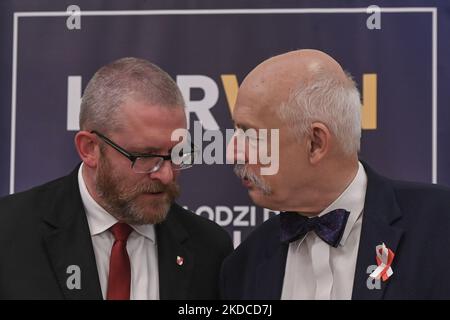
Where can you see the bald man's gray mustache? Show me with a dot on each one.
(243, 172)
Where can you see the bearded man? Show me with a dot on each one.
(111, 229)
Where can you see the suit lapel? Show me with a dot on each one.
(176, 262)
(68, 243)
(380, 214)
(269, 274)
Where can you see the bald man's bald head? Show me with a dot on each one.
(282, 74)
(303, 86)
(304, 61)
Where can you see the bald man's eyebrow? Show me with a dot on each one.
(246, 126)
(243, 127)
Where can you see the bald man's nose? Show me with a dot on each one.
(236, 150)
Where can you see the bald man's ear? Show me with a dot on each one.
(319, 142)
(88, 148)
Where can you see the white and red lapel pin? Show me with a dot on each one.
(385, 256)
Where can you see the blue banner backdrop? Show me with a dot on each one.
(401, 69)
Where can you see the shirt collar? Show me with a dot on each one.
(99, 220)
(352, 200)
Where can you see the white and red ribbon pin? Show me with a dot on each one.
(385, 256)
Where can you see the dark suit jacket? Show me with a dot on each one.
(45, 230)
(412, 219)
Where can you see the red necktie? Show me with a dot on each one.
(119, 278)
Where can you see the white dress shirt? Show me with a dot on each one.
(141, 247)
(316, 270)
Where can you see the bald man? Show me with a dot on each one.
(344, 232)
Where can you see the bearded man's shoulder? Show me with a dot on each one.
(56, 203)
